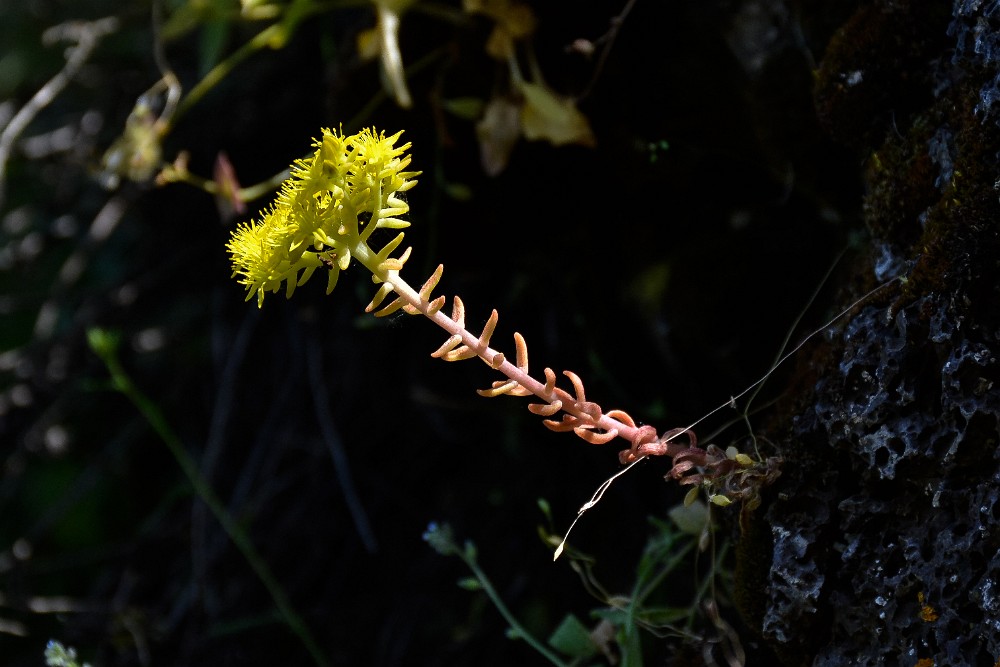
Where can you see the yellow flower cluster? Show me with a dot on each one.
(325, 214)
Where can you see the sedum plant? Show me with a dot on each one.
(326, 214)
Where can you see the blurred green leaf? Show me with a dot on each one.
(457, 191)
(690, 519)
(467, 108)
(660, 616)
(573, 638)
(470, 584)
(191, 14)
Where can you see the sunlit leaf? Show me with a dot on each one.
(552, 117)
(690, 519)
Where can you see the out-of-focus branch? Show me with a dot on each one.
(84, 37)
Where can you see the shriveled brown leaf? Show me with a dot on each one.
(498, 132)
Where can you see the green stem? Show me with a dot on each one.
(105, 345)
(648, 587)
(512, 621)
(220, 71)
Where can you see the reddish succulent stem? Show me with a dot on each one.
(643, 439)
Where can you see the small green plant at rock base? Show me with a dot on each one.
(619, 618)
(651, 607)
(325, 216)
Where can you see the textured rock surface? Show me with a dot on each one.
(886, 523)
(887, 546)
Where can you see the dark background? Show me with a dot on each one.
(667, 279)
